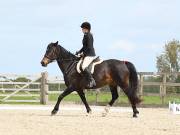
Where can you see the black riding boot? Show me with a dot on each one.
(91, 81)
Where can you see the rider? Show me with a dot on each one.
(88, 51)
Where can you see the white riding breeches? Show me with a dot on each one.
(87, 60)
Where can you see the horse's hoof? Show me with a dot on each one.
(89, 113)
(106, 111)
(54, 112)
(137, 112)
(104, 114)
(134, 116)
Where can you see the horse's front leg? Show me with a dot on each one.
(83, 98)
(61, 96)
(115, 95)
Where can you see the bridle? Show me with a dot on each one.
(49, 58)
(61, 59)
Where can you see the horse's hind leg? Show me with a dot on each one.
(114, 93)
(132, 100)
(125, 86)
(115, 96)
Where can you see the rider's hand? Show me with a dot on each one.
(77, 53)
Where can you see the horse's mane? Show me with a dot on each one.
(66, 53)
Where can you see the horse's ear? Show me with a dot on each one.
(56, 43)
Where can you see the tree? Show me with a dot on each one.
(22, 79)
(169, 60)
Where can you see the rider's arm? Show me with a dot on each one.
(89, 41)
(81, 50)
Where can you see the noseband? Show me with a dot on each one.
(61, 58)
(49, 58)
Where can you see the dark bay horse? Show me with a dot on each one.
(110, 72)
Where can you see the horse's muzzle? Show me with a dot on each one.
(43, 64)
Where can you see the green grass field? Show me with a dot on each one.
(106, 97)
(102, 99)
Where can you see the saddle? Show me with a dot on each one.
(91, 66)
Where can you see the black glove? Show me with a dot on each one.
(77, 53)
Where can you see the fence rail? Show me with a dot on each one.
(42, 87)
(19, 83)
(10, 89)
(162, 85)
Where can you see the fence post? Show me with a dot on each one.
(97, 93)
(3, 88)
(141, 86)
(44, 88)
(163, 94)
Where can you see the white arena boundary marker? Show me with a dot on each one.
(174, 107)
(65, 108)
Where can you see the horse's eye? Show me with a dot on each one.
(48, 48)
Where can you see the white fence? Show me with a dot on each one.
(12, 91)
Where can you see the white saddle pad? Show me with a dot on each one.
(93, 65)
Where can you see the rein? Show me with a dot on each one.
(70, 66)
(60, 58)
(72, 61)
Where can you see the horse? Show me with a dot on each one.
(110, 72)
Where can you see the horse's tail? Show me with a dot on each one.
(133, 82)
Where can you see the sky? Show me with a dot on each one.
(131, 30)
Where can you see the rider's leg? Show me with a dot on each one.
(87, 60)
(91, 81)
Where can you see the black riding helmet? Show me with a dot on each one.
(86, 25)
